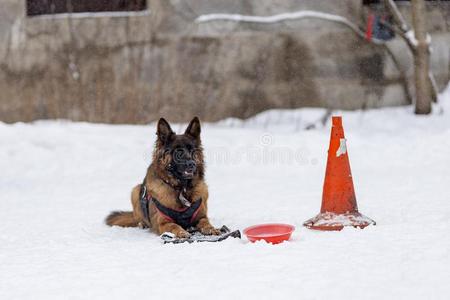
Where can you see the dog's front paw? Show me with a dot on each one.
(210, 231)
(181, 233)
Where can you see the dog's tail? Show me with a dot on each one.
(121, 218)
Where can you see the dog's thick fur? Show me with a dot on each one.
(165, 186)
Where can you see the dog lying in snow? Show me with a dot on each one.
(173, 195)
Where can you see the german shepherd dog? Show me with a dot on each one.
(173, 186)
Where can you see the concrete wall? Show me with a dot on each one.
(136, 68)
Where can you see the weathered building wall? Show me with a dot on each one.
(133, 69)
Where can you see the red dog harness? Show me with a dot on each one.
(183, 217)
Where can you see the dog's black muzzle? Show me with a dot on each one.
(188, 169)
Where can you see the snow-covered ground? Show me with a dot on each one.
(60, 179)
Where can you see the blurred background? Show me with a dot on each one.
(132, 61)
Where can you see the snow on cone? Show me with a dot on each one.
(339, 206)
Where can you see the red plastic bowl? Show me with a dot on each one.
(271, 233)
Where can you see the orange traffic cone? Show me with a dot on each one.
(339, 206)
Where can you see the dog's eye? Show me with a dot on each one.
(196, 155)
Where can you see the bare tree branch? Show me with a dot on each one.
(433, 85)
(421, 58)
(405, 32)
(407, 86)
(402, 34)
(398, 18)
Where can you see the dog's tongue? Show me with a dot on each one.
(183, 200)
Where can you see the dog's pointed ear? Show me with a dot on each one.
(164, 132)
(193, 128)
